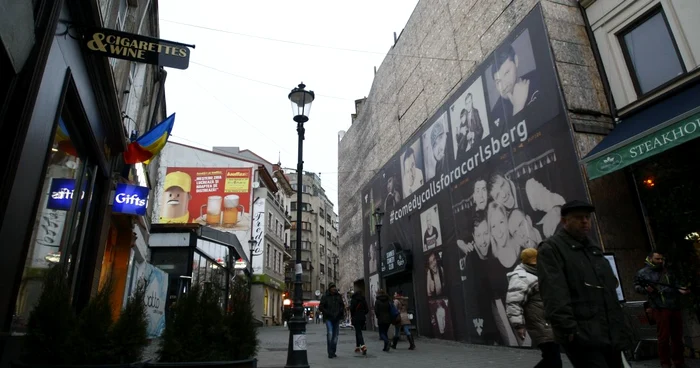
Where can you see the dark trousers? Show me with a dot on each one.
(384, 331)
(587, 357)
(551, 356)
(359, 339)
(669, 331)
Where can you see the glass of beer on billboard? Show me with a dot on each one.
(231, 209)
(213, 210)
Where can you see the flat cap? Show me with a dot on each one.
(576, 205)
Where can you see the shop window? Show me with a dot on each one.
(59, 228)
(651, 52)
(266, 302)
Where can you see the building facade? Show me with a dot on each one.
(469, 147)
(319, 242)
(236, 192)
(69, 115)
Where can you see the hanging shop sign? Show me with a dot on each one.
(396, 260)
(133, 47)
(61, 194)
(130, 199)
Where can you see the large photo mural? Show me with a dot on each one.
(481, 180)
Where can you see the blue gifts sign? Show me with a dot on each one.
(61, 194)
(130, 199)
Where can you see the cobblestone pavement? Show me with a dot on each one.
(429, 352)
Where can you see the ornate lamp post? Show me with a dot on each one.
(296, 351)
(378, 215)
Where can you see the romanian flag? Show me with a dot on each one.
(62, 139)
(150, 144)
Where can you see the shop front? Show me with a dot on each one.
(272, 298)
(657, 149)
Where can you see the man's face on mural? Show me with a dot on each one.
(439, 146)
(521, 230)
(480, 194)
(469, 102)
(498, 225)
(506, 76)
(390, 185)
(481, 238)
(175, 202)
(410, 165)
(502, 192)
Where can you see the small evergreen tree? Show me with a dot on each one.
(129, 335)
(51, 325)
(92, 333)
(240, 337)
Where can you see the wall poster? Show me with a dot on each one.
(481, 180)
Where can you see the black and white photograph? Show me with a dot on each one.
(435, 275)
(412, 168)
(435, 148)
(440, 319)
(373, 288)
(372, 257)
(469, 120)
(480, 196)
(430, 228)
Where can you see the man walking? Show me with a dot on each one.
(525, 309)
(578, 289)
(655, 281)
(333, 311)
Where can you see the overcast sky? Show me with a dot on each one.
(250, 54)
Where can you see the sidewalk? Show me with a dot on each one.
(429, 352)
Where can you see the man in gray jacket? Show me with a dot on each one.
(525, 309)
(578, 287)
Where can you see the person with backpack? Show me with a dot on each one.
(385, 316)
(403, 322)
(358, 313)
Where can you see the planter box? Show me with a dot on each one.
(250, 363)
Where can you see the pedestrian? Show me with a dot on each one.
(525, 309)
(333, 311)
(404, 323)
(578, 288)
(661, 287)
(358, 313)
(382, 311)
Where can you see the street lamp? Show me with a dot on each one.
(378, 214)
(296, 350)
(251, 245)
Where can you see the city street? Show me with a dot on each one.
(429, 352)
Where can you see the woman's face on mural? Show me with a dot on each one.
(480, 194)
(520, 227)
(409, 165)
(390, 185)
(498, 225)
(481, 239)
(432, 263)
(468, 102)
(439, 147)
(502, 192)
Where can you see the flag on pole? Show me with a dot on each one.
(150, 144)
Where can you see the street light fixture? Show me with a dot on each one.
(378, 215)
(301, 100)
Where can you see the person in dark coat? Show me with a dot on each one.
(578, 288)
(661, 287)
(358, 313)
(333, 310)
(382, 311)
(525, 309)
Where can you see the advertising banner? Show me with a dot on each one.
(156, 282)
(216, 197)
(259, 237)
(481, 180)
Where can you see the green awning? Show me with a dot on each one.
(643, 145)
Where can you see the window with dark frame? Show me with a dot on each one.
(651, 52)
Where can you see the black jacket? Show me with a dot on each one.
(332, 307)
(358, 308)
(664, 297)
(578, 287)
(382, 310)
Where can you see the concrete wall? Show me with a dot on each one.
(438, 49)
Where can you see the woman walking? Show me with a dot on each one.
(382, 311)
(401, 303)
(358, 313)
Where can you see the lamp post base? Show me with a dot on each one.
(296, 350)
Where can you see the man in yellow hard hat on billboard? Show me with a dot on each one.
(176, 198)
